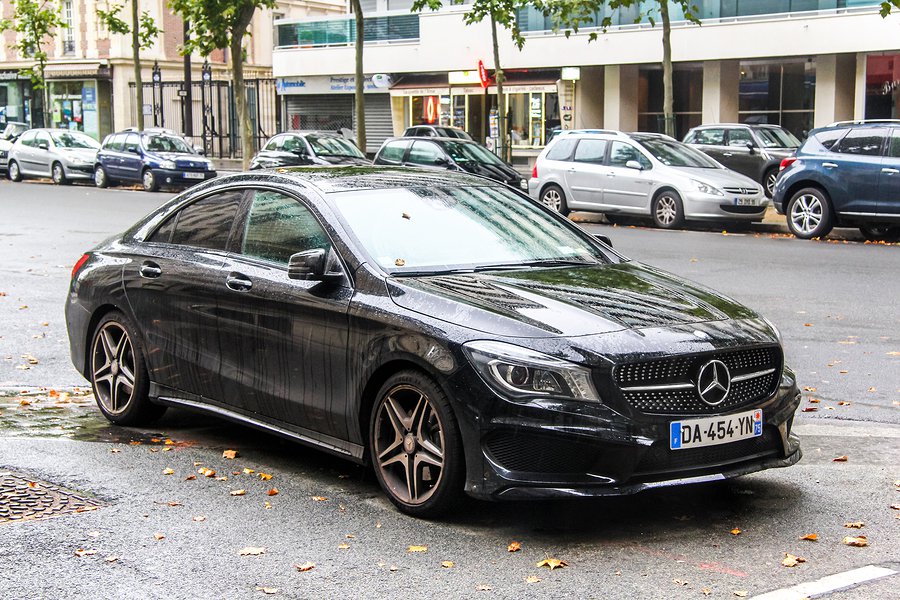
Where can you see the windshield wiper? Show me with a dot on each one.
(548, 262)
(431, 272)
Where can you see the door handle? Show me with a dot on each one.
(150, 270)
(889, 171)
(829, 165)
(238, 282)
(727, 154)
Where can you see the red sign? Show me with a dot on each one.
(483, 74)
(432, 109)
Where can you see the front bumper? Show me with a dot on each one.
(546, 449)
(177, 177)
(707, 207)
(79, 171)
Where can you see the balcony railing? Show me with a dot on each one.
(381, 29)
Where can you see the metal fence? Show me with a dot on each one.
(213, 116)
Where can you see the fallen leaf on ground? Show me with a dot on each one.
(307, 566)
(895, 353)
(238, 492)
(199, 518)
(264, 476)
(82, 552)
(843, 403)
(115, 450)
(169, 442)
(190, 478)
(792, 561)
(872, 389)
(858, 541)
(267, 590)
(514, 547)
(839, 459)
(736, 531)
(393, 568)
(159, 536)
(447, 564)
(807, 324)
(111, 559)
(343, 546)
(173, 503)
(319, 498)
(807, 388)
(230, 454)
(272, 492)
(417, 549)
(552, 563)
(741, 593)
(706, 591)
(813, 400)
(680, 582)
(809, 409)
(251, 551)
(854, 525)
(483, 588)
(247, 471)
(24, 402)
(532, 579)
(895, 506)
(168, 471)
(206, 472)
(267, 505)
(810, 537)
(350, 536)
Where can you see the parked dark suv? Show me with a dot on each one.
(752, 150)
(302, 148)
(152, 158)
(846, 174)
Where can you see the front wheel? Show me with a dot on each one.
(809, 214)
(880, 233)
(553, 197)
(119, 375)
(149, 181)
(668, 212)
(58, 174)
(12, 169)
(415, 445)
(101, 179)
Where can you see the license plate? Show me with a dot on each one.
(194, 176)
(712, 431)
(745, 201)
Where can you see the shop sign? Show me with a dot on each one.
(570, 73)
(483, 74)
(431, 109)
(89, 98)
(9, 75)
(464, 77)
(334, 84)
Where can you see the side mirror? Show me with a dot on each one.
(442, 162)
(603, 238)
(200, 150)
(751, 147)
(314, 265)
(633, 164)
(131, 149)
(43, 145)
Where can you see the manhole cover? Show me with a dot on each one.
(24, 499)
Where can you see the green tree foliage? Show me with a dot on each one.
(219, 25)
(35, 23)
(888, 5)
(144, 32)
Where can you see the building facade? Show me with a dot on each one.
(90, 71)
(798, 63)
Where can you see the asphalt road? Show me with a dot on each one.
(659, 544)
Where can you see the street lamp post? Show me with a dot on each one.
(158, 120)
(206, 102)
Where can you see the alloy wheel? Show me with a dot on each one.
(806, 213)
(409, 444)
(771, 178)
(552, 199)
(59, 176)
(113, 368)
(666, 210)
(14, 173)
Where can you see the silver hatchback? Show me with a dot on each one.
(642, 174)
(61, 154)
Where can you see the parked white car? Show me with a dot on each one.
(60, 154)
(642, 174)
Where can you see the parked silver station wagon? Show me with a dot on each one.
(642, 174)
(61, 154)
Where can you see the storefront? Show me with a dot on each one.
(883, 86)
(15, 98)
(779, 92)
(78, 102)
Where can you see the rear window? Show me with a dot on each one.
(562, 150)
(865, 141)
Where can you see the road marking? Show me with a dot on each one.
(826, 585)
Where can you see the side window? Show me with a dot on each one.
(739, 137)
(207, 222)
(691, 137)
(424, 153)
(894, 149)
(710, 137)
(865, 142)
(292, 143)
(279, 226)
(273, 143)
(117, 142)
(824, 140)
(132, 143)
(590, 151)
(163, 234)
(394, 151)
(42, 138)
(28, 138)
(620, 153)
(562, 150)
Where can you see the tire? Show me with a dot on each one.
(118, 373)
(101, 179)
(412, 421)
(880, 233)
(12, 169)
(809, 214)
(148, 180)
(768, 182)
(553, 197)
(667, 210)
(58, 174)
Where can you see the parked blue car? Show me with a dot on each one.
(846, 174)
(154, 158)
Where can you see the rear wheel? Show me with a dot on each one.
(119, 375)
(415, 445)
(881, 233)
(101, 179)
(668, 212)
(148, 179)
(769, 180)
(809, 214)
(12, 169)
(553, 197)
(58, 174)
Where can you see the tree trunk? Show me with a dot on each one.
(359, 94)
(136, 52)
(668, 92)
(240, 92)
(499, 77)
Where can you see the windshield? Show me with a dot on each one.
(439, 229)
(777, 138)
(676, 154)
(166, 143)
(13, 129)
(73, 139)
(461, 152)
(449, 132)
(333, 146)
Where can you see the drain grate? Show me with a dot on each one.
(24, 499)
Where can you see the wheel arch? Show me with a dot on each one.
(809, 183)
(99, 313)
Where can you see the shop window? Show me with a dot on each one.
(778, 93)
(883, 86)
(687, 88)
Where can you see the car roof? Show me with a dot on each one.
(431, 138)
(327, 180)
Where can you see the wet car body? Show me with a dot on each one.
(313, 148)
(303, 359)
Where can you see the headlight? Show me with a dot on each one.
(167, 164)
(519, 373)
(523, 184)
(706, 188)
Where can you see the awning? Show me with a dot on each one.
(81, 70)
(430, 84)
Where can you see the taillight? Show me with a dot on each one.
(79, 264)
(786, 162)
(534, 172)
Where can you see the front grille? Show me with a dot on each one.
(742, 210)
(537, 453)
(742, 191)
(669, 386)
(660, 459)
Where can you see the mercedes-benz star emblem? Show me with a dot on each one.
(714, 382)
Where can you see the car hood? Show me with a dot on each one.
(570, 301)
(719, 177)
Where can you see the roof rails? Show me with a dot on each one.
(864, 122)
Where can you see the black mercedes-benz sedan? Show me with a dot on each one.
(444, 328)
